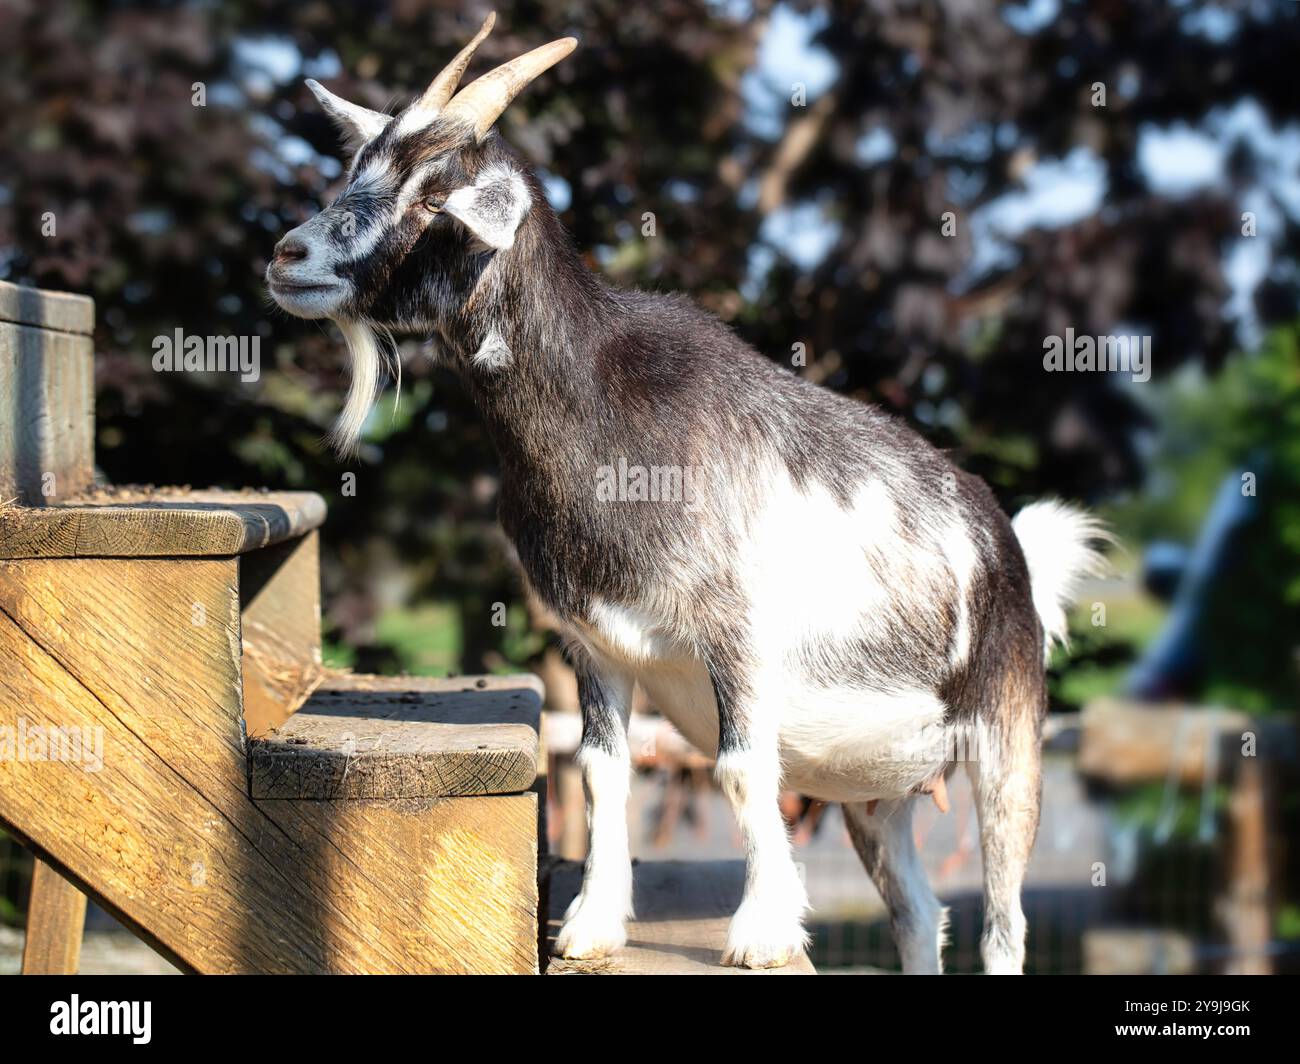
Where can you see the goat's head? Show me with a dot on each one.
(430, 195)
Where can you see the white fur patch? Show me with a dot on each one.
(962, 560)
(493, 206)
(594, 923)
(493, 353)
(847, 745)
(802, 590)
(627, 633)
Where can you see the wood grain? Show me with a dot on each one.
(279, 593)
(47, 415)
(134, 522)
(682, 908)
(162, 830)
(403, 737)
(444, 887)
(56, 917)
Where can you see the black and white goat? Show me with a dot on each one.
(803, 585)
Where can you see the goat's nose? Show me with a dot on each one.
(290, 249)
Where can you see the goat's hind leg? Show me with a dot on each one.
(885, 844)
(1007, 780)
(595, 923)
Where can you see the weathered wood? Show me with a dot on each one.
(683, 909)
(63, 311)
(445, 886)
(154, 817)
(404, 737)
(56, 917)
(1245, 908)
(279, 592)
(47, 413)
(1123, 742)
(1138, 951)
(139, 522)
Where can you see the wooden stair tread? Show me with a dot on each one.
(367, 737)
(147, 522)
(683, 909)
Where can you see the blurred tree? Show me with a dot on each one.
(165, 211)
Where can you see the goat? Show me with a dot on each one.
(810, 591)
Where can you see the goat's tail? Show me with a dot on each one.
(1060, 544)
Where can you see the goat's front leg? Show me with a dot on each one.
(594, 925)
(767, 930)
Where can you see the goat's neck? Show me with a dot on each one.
(552, 313)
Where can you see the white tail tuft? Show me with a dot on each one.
(1059, 543)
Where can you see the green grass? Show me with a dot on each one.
(426, 638)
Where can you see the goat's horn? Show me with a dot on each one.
(444, 85)
(481, 102)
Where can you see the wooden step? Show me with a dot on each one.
(403, 737)
(149, 522)
(152, 672)
(682, 912)
(263, 605)
(382, 878)
(469, 858)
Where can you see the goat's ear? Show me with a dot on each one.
(358, 124)
(493, 206)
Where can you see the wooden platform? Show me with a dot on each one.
(682, 912)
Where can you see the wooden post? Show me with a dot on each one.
(47, 400)
(1245, 908)
(56, 917)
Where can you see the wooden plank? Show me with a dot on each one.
(56, 917)
(1138, 951)
(445, 886)
(279, 592)
(154, 818)
(139, 522)
(404, 737)
(63, 311)
(136, 663)
(1124, 742)
(47, 415)
(683, 909)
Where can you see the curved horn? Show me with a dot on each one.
(481, 102)
(444, 85)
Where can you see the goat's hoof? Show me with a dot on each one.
(753, 942)
(758, 957)
(588, 938)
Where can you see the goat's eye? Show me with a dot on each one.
(432, 204)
